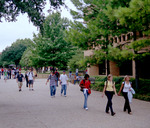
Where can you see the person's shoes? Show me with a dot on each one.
(65, 96)
(61, 94)
(19, 90)
(130, 113)
(113, 113)
(32, 89)
(86, 109)
(107, 112)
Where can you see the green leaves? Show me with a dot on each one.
(51, 49)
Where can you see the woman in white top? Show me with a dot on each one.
(125, 88)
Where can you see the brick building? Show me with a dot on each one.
(128, 67)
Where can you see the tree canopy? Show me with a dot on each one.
(10, 9)
(51, 49)
(14, 53)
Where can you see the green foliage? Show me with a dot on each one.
(14, 53)
(10, 9)
(50, 49)
(77, 61)
(26, 58)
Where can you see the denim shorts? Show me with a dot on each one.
(30, 81)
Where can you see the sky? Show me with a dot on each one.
(22, 28)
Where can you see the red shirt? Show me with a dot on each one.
(86, 83)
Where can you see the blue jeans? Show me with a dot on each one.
(53, 90)
(63, 88)
(85, 99)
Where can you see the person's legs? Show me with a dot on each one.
(65, 89)
(54, 90)
(51, 90)
(127, 104)
(62, 88)
(85, 99)
(109, 103)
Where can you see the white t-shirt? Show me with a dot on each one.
(126, 87)
(30, 75)
(63, 78)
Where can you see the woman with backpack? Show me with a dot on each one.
(109, 90)
(125, 88)
(85, 87)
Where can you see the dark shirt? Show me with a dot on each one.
(19, 77)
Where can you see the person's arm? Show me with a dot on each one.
(120, 89)
(104, 89)
(17, 79)
(47, 80)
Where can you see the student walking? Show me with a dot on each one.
(125, 88)
(5, 74)
(109, 90)
(0, 73)
(57, 76)
(20, 79)
(64, 83)
(30, 79)
(26, 77)
(53, 82)
(85, 87)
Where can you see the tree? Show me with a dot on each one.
(26, 58)
(50, 49)
(14, 53)
(97, 29)
(10, 9)
(135, 18)
(77, 61)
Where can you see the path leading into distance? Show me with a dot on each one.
(36, 109)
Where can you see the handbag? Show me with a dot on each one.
(89, 91)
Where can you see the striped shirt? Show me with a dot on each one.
(53, 80)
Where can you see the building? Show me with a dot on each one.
(128, 67)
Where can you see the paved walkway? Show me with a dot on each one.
(37, 109)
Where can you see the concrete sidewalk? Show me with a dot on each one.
(36, 109)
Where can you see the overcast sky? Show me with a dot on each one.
(11, 31)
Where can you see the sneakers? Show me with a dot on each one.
(19, 90)
(86, 109)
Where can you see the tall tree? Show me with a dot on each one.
(14, 53)
(10, 9)
(50, 49)
(134, 18)
(97, 29)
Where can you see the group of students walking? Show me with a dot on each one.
(109, 90)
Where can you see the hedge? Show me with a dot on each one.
(142, 93)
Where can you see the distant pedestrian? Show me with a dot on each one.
(109, 90)
(85, 85)
(53, 81)
(0, 73)
(77, 72)
(5, 74)
(125, 88)
(64, 83)
(70, 74)
(20, 79)
(26, 77)
(30, 79)
(57, 76)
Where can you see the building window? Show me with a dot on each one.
(124, 37)
(115, 39)
(126, 68)
(128, 37)
(102, 68)
(119, 38)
